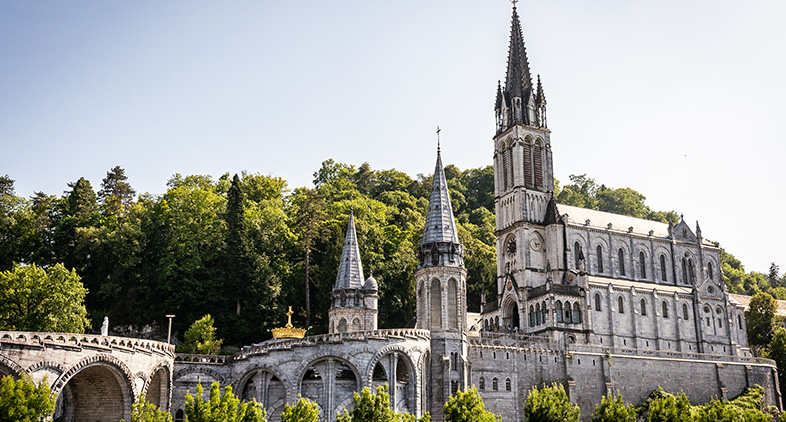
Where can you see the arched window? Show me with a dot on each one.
(568, 313)
(643, 265)
(538, 315)
(685, 311)
(545, 312)
(577, 253)
(494, 384)
(643, 307)
(597, 302)
(691, 271)
(558, 307)
(504, 168)
(621, 257)
(599, 251)
(507, 384)
(663, 267)
(538, 165)
(531, 316)
(620, 305)
(510, 163)
(528, 163)
(482, 383)
(179, 417)
(739, 322)
(709, 270)
(665, 307)
(576, 313)
(684, 271)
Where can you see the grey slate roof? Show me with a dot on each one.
(440, 226)
(350, 269)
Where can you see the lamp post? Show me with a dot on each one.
(169, 332)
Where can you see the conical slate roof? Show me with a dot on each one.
(440, 226)
(350, 269)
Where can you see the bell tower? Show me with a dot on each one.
(441, 297)
(523, 179)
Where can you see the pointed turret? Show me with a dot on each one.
(353, 304)
(540, 105)
(350, 270)
(440, 226)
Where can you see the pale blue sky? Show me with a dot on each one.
(680, 100)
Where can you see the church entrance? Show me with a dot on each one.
(510, 317)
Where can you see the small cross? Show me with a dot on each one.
(438, 131)
(289, 316)
(514, 2)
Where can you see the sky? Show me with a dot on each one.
(680, 100)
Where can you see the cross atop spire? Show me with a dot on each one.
(438, 131)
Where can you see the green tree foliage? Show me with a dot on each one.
(614, 409)
(666, 407)
(116, 193)
(201, 338)
(37, 299)
(550, 404)
(221, 408)
(586, 193)
(761, 319)
(374, 407)
(144, 411)
(468, 406)
(23, 401)
(304, 410)
(776, 350)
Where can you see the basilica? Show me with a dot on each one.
(594, 301)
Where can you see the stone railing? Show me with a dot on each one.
(194, 358)
(78, 342)
(524, 341)
(272, 345)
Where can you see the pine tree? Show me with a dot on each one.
(116, 193)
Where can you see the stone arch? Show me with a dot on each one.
(356, 326)
(510, 313)
(642, 264)
(200, 370)
(41, 369)
(452, 304)
(406, 384)
(599, 261)
(9, 367)
(272, 390)
(158, 385)
(342, 325)
(324, 373)
(98, 387)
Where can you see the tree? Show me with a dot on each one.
(760, 319)
(221, 408)
(6, 186)
(24, 401)
(201, 337)
(550, 404)
(666, 407)
(304, 410)
(309, 211)
(467, 406)
(144, 411)
(776, 351)
(37, 299)
(370, 407)
(116, 193)
(614, 409)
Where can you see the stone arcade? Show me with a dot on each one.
(595, 301)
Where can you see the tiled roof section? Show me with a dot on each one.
(350, 269)
(440, 226)
(518, 82)
(599, 219)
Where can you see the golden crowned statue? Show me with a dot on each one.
(289, 331)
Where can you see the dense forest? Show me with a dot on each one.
(245, 247)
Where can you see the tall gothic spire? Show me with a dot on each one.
(350, 269)
(440, 226)
(518, 82)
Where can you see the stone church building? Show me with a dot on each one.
(594, 301)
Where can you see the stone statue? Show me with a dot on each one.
(105, 327)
